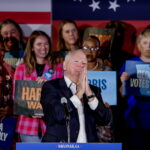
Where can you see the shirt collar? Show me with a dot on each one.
(68, 81)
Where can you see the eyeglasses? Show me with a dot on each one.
(90, 48)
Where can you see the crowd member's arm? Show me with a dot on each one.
(124, 76)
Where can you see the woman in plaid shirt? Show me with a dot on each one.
(36, 66)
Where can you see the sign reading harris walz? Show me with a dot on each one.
(139, 82)
(106, 81)
(27, 98)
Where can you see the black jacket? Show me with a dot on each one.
(52, 92)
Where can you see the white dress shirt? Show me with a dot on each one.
(78, 104)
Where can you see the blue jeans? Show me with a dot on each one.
(30, 138)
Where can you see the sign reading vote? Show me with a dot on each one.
(27, 98)
(68, 146)
(139, 82)
(106, 81)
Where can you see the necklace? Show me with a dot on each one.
(95, 67)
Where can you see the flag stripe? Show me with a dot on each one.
(28, 17)
(25, 5)
(27, 29)
(29, 14)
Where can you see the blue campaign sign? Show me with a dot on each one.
(7, 130)
(106, 81)
(68, 146)
(139, 82)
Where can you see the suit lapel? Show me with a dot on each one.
(66, 92)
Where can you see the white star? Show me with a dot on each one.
(113, 5)
(129, 0)
(94, 5)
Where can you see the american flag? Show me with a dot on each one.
(47, 14)
(29, 14)
(101, 9)
(97, 13)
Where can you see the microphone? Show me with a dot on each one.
(64, 103)
(67, 116)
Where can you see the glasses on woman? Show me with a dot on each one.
(90, 48)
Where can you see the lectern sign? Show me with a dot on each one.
(68, 146)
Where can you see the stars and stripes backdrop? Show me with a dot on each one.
(37, 14)
(29, 14)
(97, 13)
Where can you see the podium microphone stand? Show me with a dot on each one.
(68, 127)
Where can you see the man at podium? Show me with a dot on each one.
(72, 108)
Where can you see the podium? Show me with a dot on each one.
(68, 146)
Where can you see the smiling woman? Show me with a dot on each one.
(36, 66)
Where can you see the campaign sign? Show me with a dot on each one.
(7, 131)
(27, 98)
(139, 82)
(68, 146)
(106, 81)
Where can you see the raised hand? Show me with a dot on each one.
(124, 76)
(81, 85)
(88, 90)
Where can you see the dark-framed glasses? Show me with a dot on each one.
(90, 48)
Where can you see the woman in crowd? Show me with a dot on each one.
(68, 36)
(91, 47)
(13, 41)
(68, 39)
(36, 66)
(7, 120)
(137, 112)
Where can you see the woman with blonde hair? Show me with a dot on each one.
(137, 113)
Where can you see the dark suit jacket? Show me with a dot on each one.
(52, 92)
